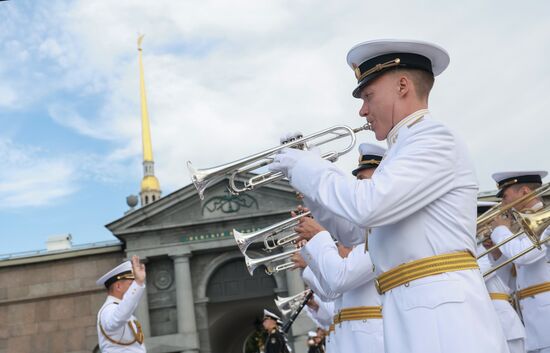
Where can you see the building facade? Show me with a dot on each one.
(200, 296)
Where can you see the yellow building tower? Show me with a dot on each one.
(150, 186)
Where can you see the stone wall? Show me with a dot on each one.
(51, 306)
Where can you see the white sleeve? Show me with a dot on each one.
(517, 245)
(344, 231)
(484, 262)
(324, 314)
(334, 272)
(313, 283)
(114, 317)
(422, 171)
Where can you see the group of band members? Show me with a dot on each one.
(403, 276)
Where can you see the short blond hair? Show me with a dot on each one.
(423, 81)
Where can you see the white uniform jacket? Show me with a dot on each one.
(420, 202)
(353, 277)
(509, 319)
(335, 298)
(323, 318)
(532, 268)
(115, 316)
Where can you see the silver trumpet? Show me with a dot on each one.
(270, 234)
(202, 178)
(272, 263)
(289, 304)
(292, 301)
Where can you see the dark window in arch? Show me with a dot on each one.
(231, 281)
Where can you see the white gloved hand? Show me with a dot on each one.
(287, 159)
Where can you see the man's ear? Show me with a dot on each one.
(403, 85)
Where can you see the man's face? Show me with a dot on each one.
(511, 194)
(365, 173)
(379, 98)
(124, 284)
(269, 323)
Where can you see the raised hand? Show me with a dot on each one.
(138, 269)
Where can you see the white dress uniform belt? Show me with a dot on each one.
(425, 267)
(533, 290)
(358, 313)
(501, 296)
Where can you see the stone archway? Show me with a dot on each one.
(235, 304)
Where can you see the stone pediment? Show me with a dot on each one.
(183, 207)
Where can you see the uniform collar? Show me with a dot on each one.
(537, 206)
(112, 299)
(392, 135)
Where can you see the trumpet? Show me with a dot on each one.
(291, 302)
(202, 178)
(270, 233)
(271, 262)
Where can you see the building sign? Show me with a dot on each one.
(213, 236)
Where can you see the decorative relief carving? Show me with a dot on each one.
(163, 279)
(229, 203)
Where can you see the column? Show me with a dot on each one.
(187, 325)
(202, 324)
(142, 313)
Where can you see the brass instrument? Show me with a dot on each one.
(272, 263)
(291, 302)
(486, 218)
(531, 224)
(270, 234)
(202, 178)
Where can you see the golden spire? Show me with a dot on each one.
(145, 130)
(150, 187)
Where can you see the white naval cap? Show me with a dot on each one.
(370, 156)
(311, 334)
(506, 179)
(122, 271)
(269, 314)
(372, 58)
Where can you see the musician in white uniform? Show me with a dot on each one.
(500, 292)
(533, 270)
(118, 329)
(420, 205)
(358, 323)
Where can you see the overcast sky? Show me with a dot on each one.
(225, 79)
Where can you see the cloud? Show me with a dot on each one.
(226, 80)
(28, 179)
